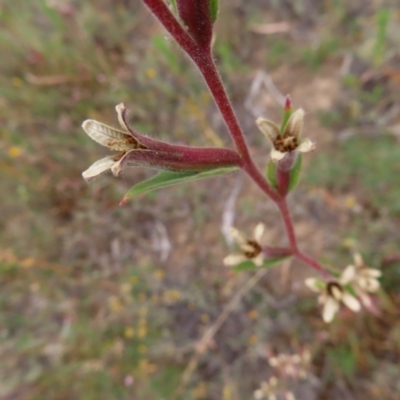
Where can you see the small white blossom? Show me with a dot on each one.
(250, 248)
(288, 141)
(332, 294)
(267, 390)
(364, 279)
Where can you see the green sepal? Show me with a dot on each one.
(271, 174)
(214, 6)
(174, 7)
(169, 178)
(249, 265)
(295, 173)
(287, 112)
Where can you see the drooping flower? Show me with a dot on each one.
(365, 279)
(135, 149)
(333, 293)
(250, 248)
(290, 139)
(120, 141)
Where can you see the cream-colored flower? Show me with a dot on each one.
(288, 141)
(364, 279)
(120, 141)
(250, 248)
(332, 294)
(267, 390)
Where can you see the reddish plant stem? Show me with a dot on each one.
(205, 63)
(287, 221)
(213, 80)
(170, 23)
(312, 263)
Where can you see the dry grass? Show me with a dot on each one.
(100, 302)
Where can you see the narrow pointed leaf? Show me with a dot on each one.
(248, 265)
(174, 7)
(214, 6)
(295, 173)
(287, 112)
(168, 178)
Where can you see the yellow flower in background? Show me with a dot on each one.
(159, 274)
(253, 339)
(14, 151)
(253, 314)
(151, 73)
(114, 304)
(129, 332)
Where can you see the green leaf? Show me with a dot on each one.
(245, 266)
(343, 359)
(286, 115)
(271, 174)
(214, 9)
(295, 173)
(168, 178)
(248, 265)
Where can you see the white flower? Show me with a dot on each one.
(117, 140)
(290, 140)
(332, 293)
(267, 389)
(364, 279)
(250, 248)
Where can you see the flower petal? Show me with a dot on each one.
(102, 133)
(294, 126)
(364, 298)
(268, 128)
(358, 260)
(258, 232)
(331, 307)
(369, 284)
(98, 168)
(347, 275)
(351, 302)
(313, 284)
(305, 146)
(277, 155)
(259, 260)
(237, 236)
(372, 272)
(121, 109)
(117, 167)
(234, 259)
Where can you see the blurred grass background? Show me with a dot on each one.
(101, 302)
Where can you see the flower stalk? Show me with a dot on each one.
(192, 30)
